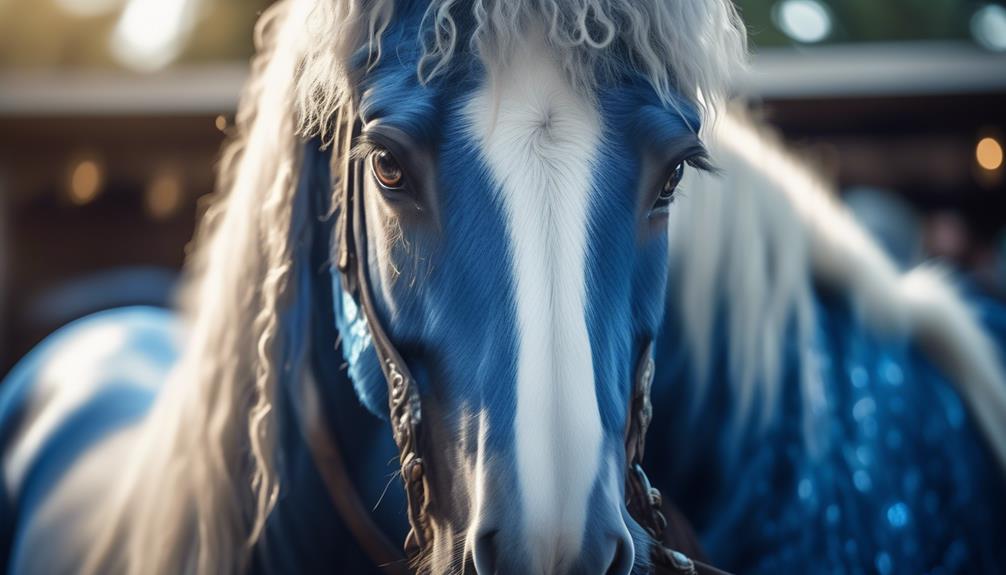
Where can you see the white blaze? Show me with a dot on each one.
(540, 138)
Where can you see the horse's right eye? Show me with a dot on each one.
(387, 171)
(666, 195)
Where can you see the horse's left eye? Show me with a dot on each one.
(387, 171)
(666, 196)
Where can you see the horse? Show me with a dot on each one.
(468, 259)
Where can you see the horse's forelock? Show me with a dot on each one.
(684, 49)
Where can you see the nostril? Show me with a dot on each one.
(484, 554)
(623, 559)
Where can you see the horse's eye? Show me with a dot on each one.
(387, 170)
(666, 195)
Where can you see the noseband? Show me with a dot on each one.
(406, 417)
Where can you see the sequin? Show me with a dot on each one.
(859, 376)
(864, 408)
(806, 489)
(901, 481)
(832, 514)
(898, 515)
(892, 372)
(862, 481)
(883, 563)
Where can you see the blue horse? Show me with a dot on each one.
(540, 197)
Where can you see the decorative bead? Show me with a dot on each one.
(656, 499)
(883, 563)
(648, 372)
(898, 515)
(681, 561)
(416, 469)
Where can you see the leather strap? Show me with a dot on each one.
(331, 465)
(404, 405)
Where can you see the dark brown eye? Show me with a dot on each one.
(666, 196)
(387, 170)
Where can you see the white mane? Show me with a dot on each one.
(693, 48)
(198, 495)
(756, 238)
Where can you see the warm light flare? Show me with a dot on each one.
(86, 179)
(989, 154)
(164, 196)
(152, 33)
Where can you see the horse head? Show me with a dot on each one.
(511, 220)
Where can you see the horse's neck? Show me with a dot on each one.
(695, 450)
(304, 532)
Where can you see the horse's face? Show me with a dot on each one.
(518, 257)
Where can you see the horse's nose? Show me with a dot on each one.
(609, 553)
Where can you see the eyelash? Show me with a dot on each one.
(698, 160)
(363, 148)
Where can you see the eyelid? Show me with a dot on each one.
(694, 155)
(363, 148)
(367, 143)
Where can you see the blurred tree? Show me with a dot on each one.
(872, 20)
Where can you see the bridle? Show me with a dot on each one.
(643, 501)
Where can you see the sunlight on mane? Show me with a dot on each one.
(684, 49)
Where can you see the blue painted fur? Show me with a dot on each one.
(770, 507)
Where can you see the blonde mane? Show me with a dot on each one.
(196, 495)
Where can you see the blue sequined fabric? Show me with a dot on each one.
(897, 477)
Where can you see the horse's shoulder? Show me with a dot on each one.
(82, 382)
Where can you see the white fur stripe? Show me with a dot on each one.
(540, 139)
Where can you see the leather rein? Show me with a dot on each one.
(643, 501)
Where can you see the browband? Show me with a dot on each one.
(643, 501)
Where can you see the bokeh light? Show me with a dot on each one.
(164, 195)
(86, 179)
(152, 33)
(806, 21)
(989, 154)
(988, 26)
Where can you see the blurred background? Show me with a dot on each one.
(112, 113)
